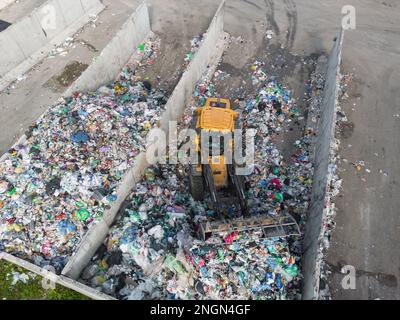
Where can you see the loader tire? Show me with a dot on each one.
(197, 187)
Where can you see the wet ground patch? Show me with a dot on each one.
(69, 74)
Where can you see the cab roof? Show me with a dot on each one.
(217, 118)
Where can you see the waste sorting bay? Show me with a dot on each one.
(152, 251)
(58, 182)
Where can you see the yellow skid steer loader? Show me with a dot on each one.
(216, 176)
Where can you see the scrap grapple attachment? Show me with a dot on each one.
(265, 226)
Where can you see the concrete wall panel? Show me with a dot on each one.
(28, 34)
(5, 3)
(51, 19)
(88, 5)
(11, 54)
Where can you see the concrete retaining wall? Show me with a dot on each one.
(209, 53)
(5, 3)
(322, 156)
(51, 277)
(116, 54)
(29, 40)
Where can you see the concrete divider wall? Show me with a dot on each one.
(29, 40)
(116, 54)
(322, 157)
(48, 276)
(117, 64)
(208, 54)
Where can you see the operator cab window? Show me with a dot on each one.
(218, 104)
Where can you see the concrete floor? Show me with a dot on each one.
(24, 101)
(367, 221)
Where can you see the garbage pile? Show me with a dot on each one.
(194, 47)
(335, 188)
(64, 176)
(152, 251)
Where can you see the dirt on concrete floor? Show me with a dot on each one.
(70, 73)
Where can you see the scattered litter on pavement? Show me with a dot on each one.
(147, 52)
(269, 34)
(383, 172)
(359, 165)
(70, 42)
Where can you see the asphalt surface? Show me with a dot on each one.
(368, 223)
